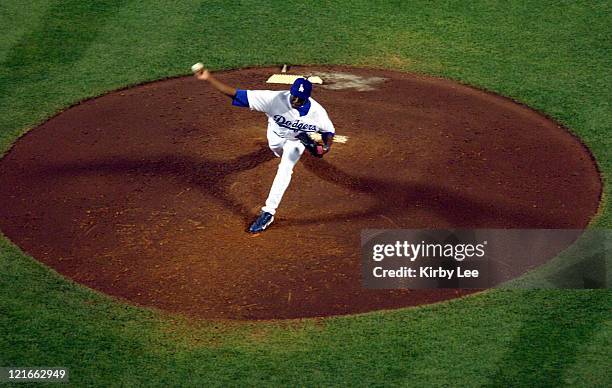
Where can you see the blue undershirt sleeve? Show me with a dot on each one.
(241, 99)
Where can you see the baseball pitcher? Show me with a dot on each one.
(292, 115)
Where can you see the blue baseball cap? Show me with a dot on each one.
(301, 88)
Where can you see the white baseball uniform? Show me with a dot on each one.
(284, 123)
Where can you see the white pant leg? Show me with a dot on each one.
(275, 142)
(291, 152)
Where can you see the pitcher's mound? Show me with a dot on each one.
(146, 193)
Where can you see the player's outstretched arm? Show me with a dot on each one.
(205, 75)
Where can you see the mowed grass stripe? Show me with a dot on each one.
(40, 65)
(61, 39)
(505, 47)
(590, 353)
(544, 348)
(18, 19)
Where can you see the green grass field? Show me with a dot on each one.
(552, 56)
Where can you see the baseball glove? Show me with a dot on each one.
(312, 146)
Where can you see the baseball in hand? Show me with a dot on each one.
(197, 67)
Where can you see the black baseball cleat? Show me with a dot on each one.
(261, 223)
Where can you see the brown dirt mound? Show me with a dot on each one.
(145, 193)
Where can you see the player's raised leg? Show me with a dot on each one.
(275, 142)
